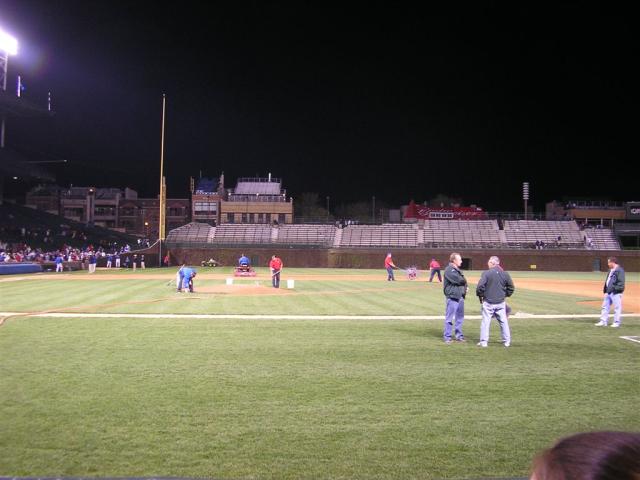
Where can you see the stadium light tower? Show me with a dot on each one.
(525, 197)
(8, 46)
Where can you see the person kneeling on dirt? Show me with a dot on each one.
(188, 274)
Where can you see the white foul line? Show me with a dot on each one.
(283, 317)
(632, 339)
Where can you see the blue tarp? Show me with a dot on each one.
(17, 268)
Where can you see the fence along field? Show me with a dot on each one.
(286, 398)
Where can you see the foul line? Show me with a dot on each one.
(632, 339)
(282, 317)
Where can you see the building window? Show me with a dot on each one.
(231, 218)
(261, 218)
(128, 212)
(252, 218)
(267, 218)
(176, 211)
(105, 211)
(244, 218)
(204, 208)
(281, 218)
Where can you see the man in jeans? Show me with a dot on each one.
(455, 289)
(494, 286)
(613, 289)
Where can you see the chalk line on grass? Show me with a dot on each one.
(280, 317)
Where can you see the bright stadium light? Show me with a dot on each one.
(8, 43)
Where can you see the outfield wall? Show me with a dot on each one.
(544, 260)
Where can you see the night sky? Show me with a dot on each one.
(350, 101)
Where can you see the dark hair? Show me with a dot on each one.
(591, 456)
(613, 259)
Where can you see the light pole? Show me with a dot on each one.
(525, 197)
(373, 209)
(8, 46)
(327, 208)
(163, 187)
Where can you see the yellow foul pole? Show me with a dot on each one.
(163, 193)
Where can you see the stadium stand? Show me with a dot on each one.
(601, 239)
(229, 233)
(525, 233)
(435, 234)
(193, 232)
(455, 233)
(388, 235)
(306, 234)
(44, 229)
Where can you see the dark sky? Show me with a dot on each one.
(348, 100)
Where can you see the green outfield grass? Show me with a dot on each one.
(310, 399)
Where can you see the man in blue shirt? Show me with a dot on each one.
(244, 262)
(59, 265)
(188, 274)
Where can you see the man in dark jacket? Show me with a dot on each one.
(494, 286)
(455, 289)
(613, 289)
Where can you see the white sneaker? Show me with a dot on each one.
(507, 344)
(601, 323)
(615, 325)
(482, 344)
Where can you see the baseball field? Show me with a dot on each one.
(343, 376)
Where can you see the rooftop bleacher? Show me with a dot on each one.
(261, 186)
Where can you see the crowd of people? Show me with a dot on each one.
(20, 252)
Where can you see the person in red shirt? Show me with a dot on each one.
(389, 266)
(276, 268)
(434, 266)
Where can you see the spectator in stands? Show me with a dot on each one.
(494, 286)
(434, 266)
(613, 289)
(538, 245)
(275, 265)
(455, 291)
(389, 266)
(590, 456)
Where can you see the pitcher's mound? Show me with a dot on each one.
(243, 289)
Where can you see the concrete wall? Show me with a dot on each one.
(544, 260)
